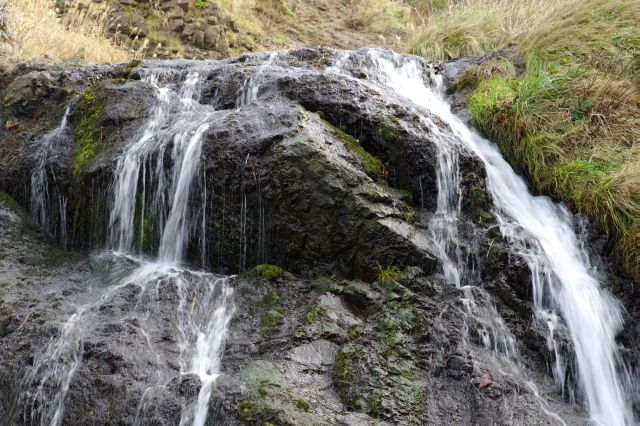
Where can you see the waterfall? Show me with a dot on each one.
(177, 124)
(42, 184)
(160, 178)
(542, 232)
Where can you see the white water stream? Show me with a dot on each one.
(178, 122)
(41, 183)
(542, 232)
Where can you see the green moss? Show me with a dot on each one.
(270, 320)
(497, 255)
(270, 300)
(244, 409)
(302, 405)
(87, 130)
(480, 204)
(317, 312)
(269, 271)
(10, 203)
(132, 65)
(342, 369)
(375, 405)
(371, 165)
(390, 273)
(388, 133)
(272, 312)
(354, 332)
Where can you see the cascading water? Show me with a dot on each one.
(543, 234)
(205, 306)
(43, 183)
(158, 174)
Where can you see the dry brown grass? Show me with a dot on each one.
(573, 117)
(474, 27)
(34, 31)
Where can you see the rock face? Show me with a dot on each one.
(312, 170)
(187, 28)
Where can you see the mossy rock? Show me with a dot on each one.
(87, 129)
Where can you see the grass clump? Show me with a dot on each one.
(473, 75)
(474, 27)
(571, 120)
(390, 17)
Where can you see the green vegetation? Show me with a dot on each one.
(571, 119)
(390, 273)
(475, 27)
(301, 404)
(383, 16)
(371, 165)
(317, 312)
(272, 312)
(10, 203)
(491, 68)
(375, 405)
(268, 271)
(87, 131)
(342, 369)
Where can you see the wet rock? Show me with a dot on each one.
(317, 173)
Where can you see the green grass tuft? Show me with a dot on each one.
(571, 121)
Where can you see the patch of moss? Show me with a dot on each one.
(302, 405)
(269, 271)
(388, 131)
(270, 320)
(10, 203)
(371, 165)
(244, 409)
(497, 255)
(354, 332)
(375, 405)
(317, 312)
(87, 130)
(132, 65)
(272, 312)
(342, 369)
(390, 273)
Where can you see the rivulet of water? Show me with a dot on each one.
(43, 181)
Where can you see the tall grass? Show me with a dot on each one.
(388, 17)
(573, 119)
(34, 30)
(474, 27)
